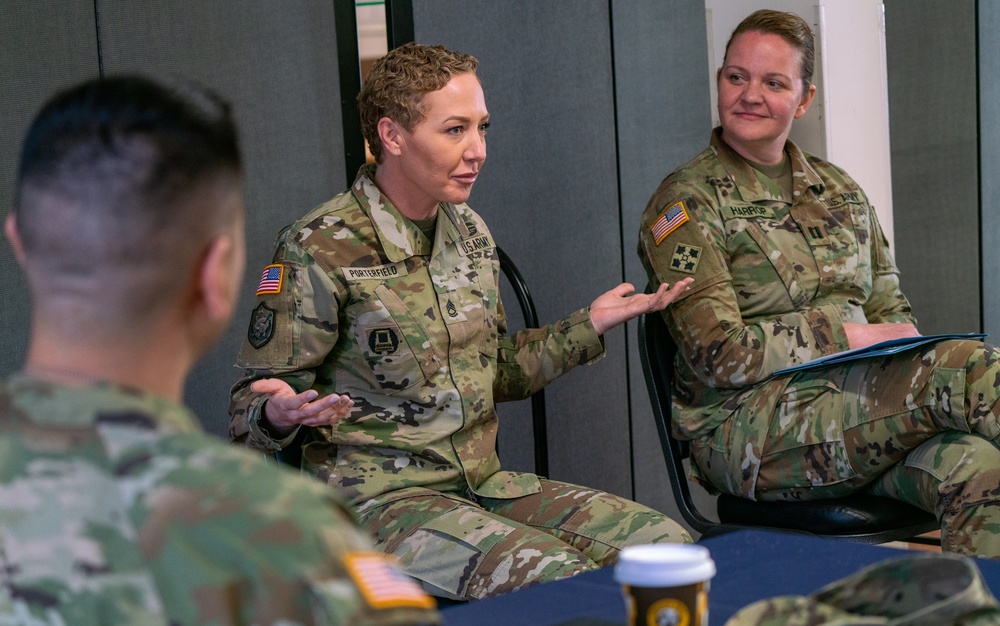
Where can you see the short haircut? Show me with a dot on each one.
(397, 82)
(789, 27)
(107, 178)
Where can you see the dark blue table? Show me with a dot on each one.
(752, 565)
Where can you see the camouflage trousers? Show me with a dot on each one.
(464, 549)
(920, 426)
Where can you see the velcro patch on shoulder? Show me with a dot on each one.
(271, 280)
(671, 220)
(685, 258)
(382, 584)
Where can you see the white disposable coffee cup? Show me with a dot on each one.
(665, 583)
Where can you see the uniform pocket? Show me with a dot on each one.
(805, 444)
(393, 343)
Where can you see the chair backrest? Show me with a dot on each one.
(656, 353)
(292, 453)
(538, 418)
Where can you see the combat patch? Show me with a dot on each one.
(383, 341)
(671, 220)
(376, 272)
(271, 280)
(261, 326)
(383, 585)
(686, 258)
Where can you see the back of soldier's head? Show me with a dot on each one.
(115, 187)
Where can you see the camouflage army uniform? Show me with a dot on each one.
(117, 509)
(414, 332)
(776, 278)
(919, 590)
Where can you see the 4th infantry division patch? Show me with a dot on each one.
(686, 258)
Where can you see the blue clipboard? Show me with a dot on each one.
(884, 348)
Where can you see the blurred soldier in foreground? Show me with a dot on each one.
(117, 509)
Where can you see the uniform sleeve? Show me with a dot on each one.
(534, 357)
(259, 545)
(887, 303)
(722, 349)
(292, 328)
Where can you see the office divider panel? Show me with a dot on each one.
(579, 93)
(549, 193)
(989, 164)
(277, 63)
(664, 120)
(931, 58)
(45, 45)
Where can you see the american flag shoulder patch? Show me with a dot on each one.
(670, 221)
(271, 279)
(384, 585)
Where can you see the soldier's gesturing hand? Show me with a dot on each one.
(286, 409)
(616, 306)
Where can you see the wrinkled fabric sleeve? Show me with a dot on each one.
(534, 357)
(275, 548)
(306, 347)
(887, 304)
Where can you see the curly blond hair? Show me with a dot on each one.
(397, 82)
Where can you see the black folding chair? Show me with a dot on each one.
(860, 517)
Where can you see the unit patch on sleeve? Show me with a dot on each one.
(271, 279)
(671, 220)
(261, 326)
(686, 258)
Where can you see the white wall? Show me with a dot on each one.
(848, 123)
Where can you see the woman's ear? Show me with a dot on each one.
(806, 101)
(389, 132)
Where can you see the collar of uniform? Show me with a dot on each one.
(400, 238)
(55, 404)
(750, 188)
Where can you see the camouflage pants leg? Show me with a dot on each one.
(459, 550)
(826, 433)
(597, 523)
(470, 550)
(957, 476)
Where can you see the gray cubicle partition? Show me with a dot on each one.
(45, 46)
(989, 162)
(277, 64)
(592, 104)
(932, 76)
